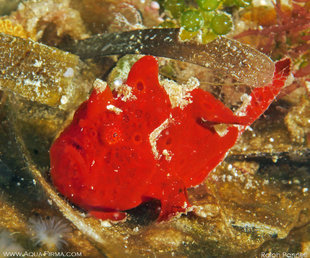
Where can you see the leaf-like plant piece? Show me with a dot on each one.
(41, 73)
(223, 56)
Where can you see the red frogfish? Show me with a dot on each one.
(131, 145)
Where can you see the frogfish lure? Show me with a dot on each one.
(131, 145)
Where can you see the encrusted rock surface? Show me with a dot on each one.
(257, 201)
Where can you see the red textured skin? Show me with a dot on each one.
(103, 161)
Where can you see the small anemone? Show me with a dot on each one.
(49, 232)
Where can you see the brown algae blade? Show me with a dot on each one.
(43, 74)
(222, 55)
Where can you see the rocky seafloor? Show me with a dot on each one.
(254, 204)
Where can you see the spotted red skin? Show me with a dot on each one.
(104, 163)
